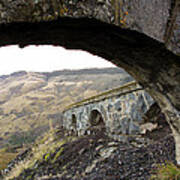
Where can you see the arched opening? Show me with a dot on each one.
(97, 122)
(158, 73)
(74, 120)
(96, 118)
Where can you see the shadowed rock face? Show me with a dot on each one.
(106, 28)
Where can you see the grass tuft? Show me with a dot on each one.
(41, 151)
(167, 171)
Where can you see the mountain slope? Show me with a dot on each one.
(31, 101)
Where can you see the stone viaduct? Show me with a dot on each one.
(117, 112)
(141, 36)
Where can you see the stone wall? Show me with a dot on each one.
(122, 114)
(89, 25)
(156, 18)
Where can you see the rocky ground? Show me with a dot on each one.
(97, 157)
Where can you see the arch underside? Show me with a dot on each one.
(147, 60)
(96, 118)
(97, 122)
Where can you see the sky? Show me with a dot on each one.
(46, 59)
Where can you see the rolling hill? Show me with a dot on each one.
(32, 102)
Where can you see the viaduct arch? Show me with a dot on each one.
(117, 112)
(74, 120)
(96, 118)
(134, 35)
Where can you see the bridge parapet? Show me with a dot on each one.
(125, 89)
(118, 112)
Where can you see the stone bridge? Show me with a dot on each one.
(141, 36)
(117, 112)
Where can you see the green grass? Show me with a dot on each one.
(20, 139)
(41, 150)
(167, 171)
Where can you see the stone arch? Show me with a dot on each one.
(158, 73)
(97, 121)
(96, 118)
(74, 120)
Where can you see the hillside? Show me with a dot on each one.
(58, 156)
(30, 102)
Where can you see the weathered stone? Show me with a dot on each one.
(118, 106)
(117, 122)
(89, 25)
(147, 127)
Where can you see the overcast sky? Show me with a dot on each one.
(46, 58)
